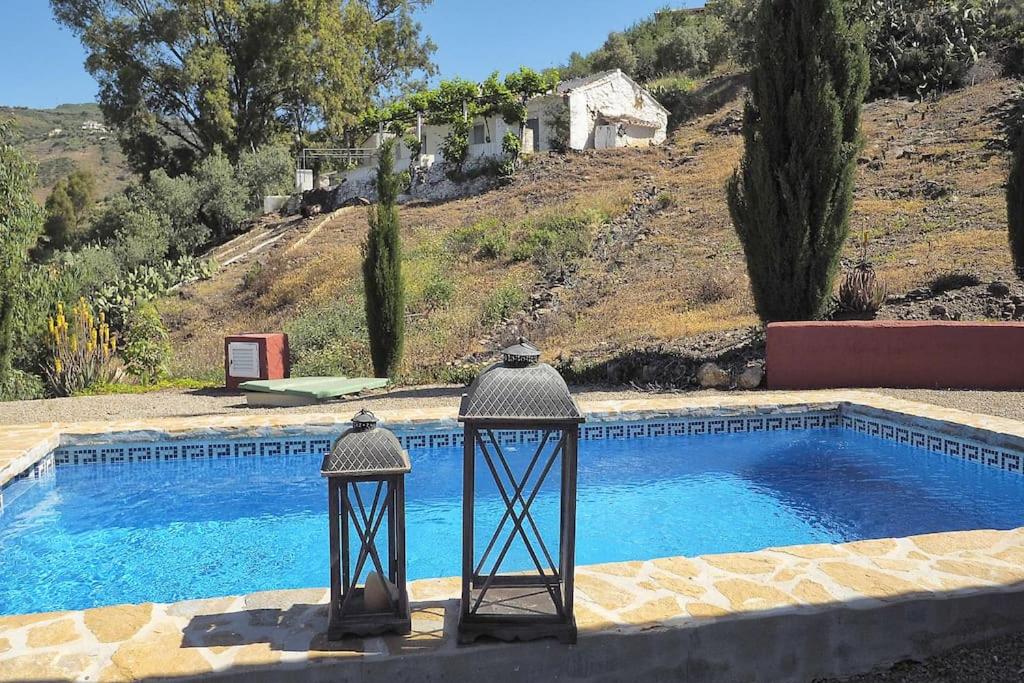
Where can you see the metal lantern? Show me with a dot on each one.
(524, 402)
(365, 472)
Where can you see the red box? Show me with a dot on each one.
(255, 356)
(899, 354)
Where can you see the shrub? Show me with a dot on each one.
(267, 171)
(501, 304)
(485, 239)
(790, 199)
(552, 240)
(146, 350)
(616, 53)
(918, 47)
(21, 386)
(223, 201)
(438, 291)
(694, 47)
(178, 199)
(1015, 205)
(678, 95)
(329, 340)
(135, 233)
(947, 282)
(60, 217)
(82, 351)
(382, 271)
(455, 146)
(511, 147)
(559, 124)
(20, 225)
(712, 287)
(861, 294)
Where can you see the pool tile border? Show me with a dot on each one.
(442, 437)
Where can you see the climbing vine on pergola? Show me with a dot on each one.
(456, 103)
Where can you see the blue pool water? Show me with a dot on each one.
(165, 531)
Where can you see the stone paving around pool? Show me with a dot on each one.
(789, 613)
(281, 633)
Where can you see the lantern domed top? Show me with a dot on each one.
(365, 449)
(519, 389)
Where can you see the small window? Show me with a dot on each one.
(479, 136)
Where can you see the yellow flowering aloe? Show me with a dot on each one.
(82, 349)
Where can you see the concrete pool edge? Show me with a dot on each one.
(792, 613)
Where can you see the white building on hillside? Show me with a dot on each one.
(604, 111)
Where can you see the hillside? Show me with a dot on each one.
(57, 154)
(664, 272)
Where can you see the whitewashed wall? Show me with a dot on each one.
(615, 95)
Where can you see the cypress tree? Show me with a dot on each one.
(1015, 204)
(382, 271)
(790, 199)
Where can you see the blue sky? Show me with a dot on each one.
(41, 63)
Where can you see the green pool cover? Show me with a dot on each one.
(314, 388)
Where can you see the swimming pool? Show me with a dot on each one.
(167, 530)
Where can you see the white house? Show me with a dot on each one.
(605, 110)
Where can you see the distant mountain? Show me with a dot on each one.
(66, 138)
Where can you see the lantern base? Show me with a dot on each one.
(369, 626)
(358, 622)
(471, 628)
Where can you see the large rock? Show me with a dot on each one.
(710, 376)
(999, 289)
(751, 377)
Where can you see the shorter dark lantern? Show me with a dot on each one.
(365, 472)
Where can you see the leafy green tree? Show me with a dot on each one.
(137, 235)
(266, 171)
(178, 199)
(66, 208)
(61, 217)
(81, 189)
(382, 271)
(179, 78)
(223, 201)
(790, 199)
(20, 224)
(1015, 205)
(616, 53)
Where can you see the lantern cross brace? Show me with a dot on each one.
(366, 526)
(519, 516)
(517, 496)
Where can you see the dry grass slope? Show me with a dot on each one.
(929, 201)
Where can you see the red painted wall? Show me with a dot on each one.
(274, 363)
(897, 354)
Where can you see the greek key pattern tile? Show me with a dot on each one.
(417, 440)
(957, 447)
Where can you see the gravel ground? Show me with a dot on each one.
(174, 403)
(996, 661)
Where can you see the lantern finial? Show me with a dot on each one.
(363, 421)
(520, 355)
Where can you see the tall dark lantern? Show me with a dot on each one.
(365, 472)
(524, 402)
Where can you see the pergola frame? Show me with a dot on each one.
(524, 605)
